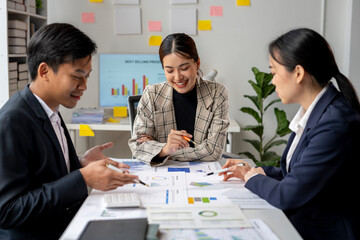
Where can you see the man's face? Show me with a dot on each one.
(67, 85)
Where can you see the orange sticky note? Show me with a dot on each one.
(120, 111)
(154, 26)
(155, 40)
(88, 17)
(86, 131)
(204, 25)
(216, 11)
(243, 2)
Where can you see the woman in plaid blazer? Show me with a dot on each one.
(185, 99)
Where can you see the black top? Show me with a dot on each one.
(185, 110)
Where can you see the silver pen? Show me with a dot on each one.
(223, 170)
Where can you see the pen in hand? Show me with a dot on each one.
(187, 138)
(223, 170)
(112, 167)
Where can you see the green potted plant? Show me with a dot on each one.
(264, 88)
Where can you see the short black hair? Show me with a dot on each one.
(56, 44)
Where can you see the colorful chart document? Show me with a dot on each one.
(182, 217)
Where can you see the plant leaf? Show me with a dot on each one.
(271, 103)
(274, 143)
(282, 123)
(255, 100)
(256, 88)
(254, 143)
(257, 129)
(249, 155)
(260, 79)
(255, 70)
(251, 112)
(268, 90)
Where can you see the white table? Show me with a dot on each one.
(124, 125)
(274, 218)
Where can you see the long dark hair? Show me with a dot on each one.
(309, 49)
(178, 43)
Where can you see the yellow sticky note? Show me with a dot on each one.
(120, 111)
(95, 0)
(204, 25)
(113, 120)
(86, 131)
(243, 2)
(155, 40)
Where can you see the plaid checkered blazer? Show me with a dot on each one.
(156, 117)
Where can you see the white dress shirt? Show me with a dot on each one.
(298, 125)
(59, 131)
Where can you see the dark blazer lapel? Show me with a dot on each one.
(283, 157)
(73, 158)
(47, 126)
(314, 118)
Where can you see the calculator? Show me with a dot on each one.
(113, 200)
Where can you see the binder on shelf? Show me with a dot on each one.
(23, 75)
(13, 66)
(22, 84)
(11, 5)
(13, 74)
(16, 33)
(17, 49)
(17, 24)
(15, 41)
(20, 7)
(22, 67)
(13, 86)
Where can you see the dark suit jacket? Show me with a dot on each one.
(319, 194)
(38, 197)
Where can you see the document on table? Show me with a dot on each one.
(210, 216)
(212, 189)
(189, 167)
(260, 231)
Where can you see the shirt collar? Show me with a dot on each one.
(47, 109)
(302, 116)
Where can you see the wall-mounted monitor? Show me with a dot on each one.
(122, 75)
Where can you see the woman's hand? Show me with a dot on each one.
(235, 171)
(144, 138)
(252, 172)
(175, 141)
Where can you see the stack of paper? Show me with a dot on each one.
(88, 115)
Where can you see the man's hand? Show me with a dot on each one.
(98, 176)
(95, 153)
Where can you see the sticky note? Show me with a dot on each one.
(204, 25)
(120, 111)
(154, 26)
(86, 131)
(216, 11)
(155, 40)
(112, 120)
(88, 17)
(96, 1)
(243, 2)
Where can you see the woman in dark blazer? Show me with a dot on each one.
(317, 181)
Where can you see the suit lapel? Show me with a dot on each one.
(313, 120)
(47, 127)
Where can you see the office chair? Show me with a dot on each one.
(132, 105)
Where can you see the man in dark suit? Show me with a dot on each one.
(42, 181)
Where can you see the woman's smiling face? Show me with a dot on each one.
(180, 73)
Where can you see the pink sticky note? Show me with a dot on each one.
(216, 11)
(88, 17)
(154, 26)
